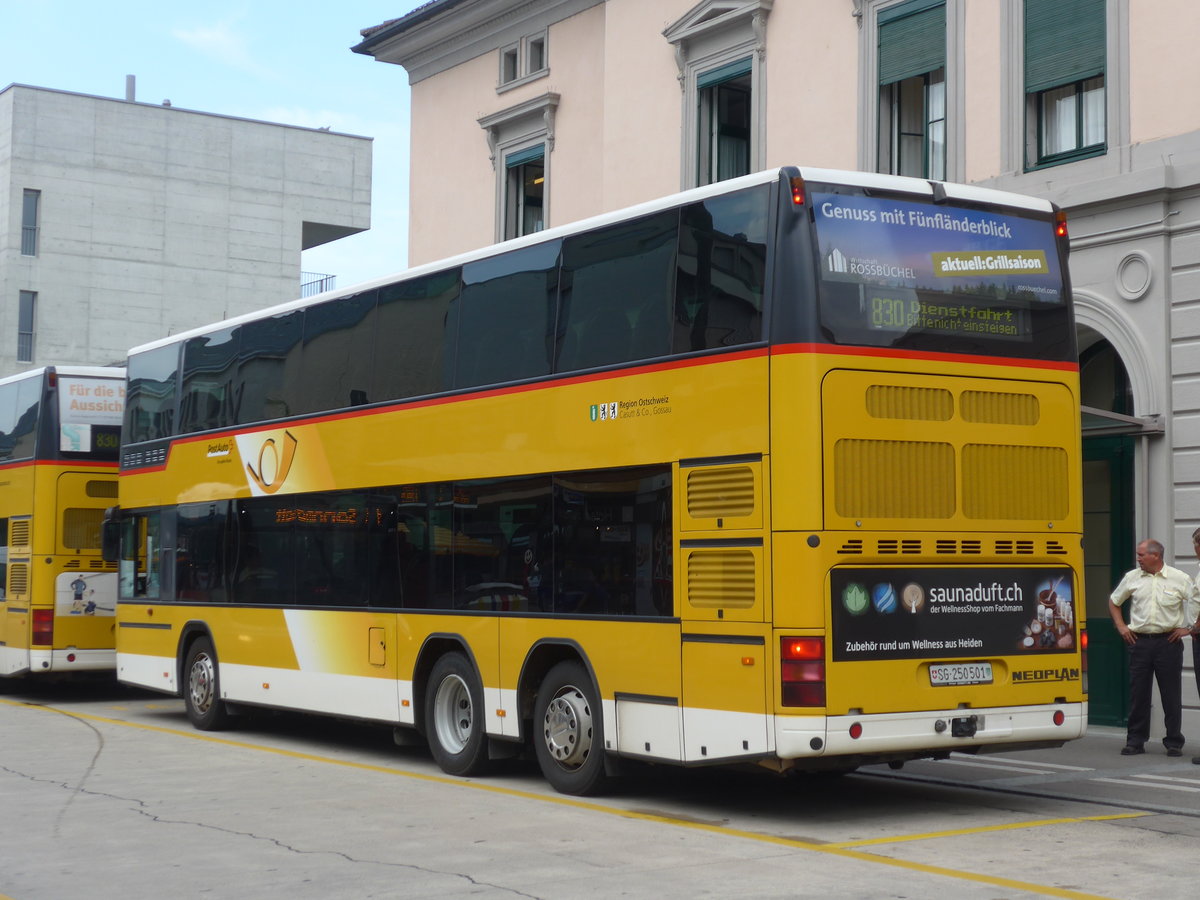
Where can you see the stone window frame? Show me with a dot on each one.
(712, 34)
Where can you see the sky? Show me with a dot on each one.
(271, 60)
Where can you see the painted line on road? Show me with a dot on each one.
(847, 852)
(982, 765)
(1017, 763)
(984, 829)
(1176, 778)
(1143, 784)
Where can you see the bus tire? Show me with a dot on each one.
(202, 687)
(454, 716)
(567, 732)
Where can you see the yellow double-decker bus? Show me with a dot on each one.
(59, 440)
(784, 470)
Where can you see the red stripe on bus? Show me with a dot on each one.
(924, 355)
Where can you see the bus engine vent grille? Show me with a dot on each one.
(860, 491)
(1002, 481)
(19, 534)
(1054, 548)
(995, 408)
(853, 546)
(720, 492)
(81, 528)
(892, 546)
(101, 489)
(18, 578)
(892, 401)
(1014, 548)
(721, 578)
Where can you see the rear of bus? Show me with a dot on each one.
(59, 597)
(927, 547)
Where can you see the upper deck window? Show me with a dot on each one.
(20, 404)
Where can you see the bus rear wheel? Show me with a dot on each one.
(202, 687)
(567, 733)
(454, 717)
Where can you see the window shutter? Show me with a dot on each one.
(912, 39)
(727, 72)
(1064, 42)
(529, 154)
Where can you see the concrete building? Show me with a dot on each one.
(530, 113)
(122, 222)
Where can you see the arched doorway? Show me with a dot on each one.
(1110, 436)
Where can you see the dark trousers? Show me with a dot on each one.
(1153, 658)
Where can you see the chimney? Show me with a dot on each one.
(130, 87)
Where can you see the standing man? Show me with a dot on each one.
(1196, 630)
(1161, 613)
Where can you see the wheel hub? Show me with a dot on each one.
(568, 727)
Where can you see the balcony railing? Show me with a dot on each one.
(314, 283)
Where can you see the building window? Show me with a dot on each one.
(720, 49)
(524, 191)
(723, 119)
(1065, 92)
(521, 141)
(29, 222)
(26, 308)
(912, 89)
(522, 62)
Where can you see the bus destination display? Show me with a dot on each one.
(937, 270)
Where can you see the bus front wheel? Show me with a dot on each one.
(567, 733)
(202, 687)
(454, 716)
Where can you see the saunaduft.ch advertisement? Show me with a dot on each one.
(951, 613)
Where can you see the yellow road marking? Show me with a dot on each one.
(983, 829)
(844, 849)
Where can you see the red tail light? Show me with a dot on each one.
(1083, 654)
(797, 191)
(43, 626)
(802, 671)
(1060, 224)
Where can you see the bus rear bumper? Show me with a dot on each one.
(71, 659)
(928, 733)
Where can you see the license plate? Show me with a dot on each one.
(942, 674)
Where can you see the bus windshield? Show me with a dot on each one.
(934, 276)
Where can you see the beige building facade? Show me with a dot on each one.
(531, 113)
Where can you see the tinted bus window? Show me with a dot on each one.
(150, 402)
(612, 551)
(414, 347)
(268, 357)
(20, 406)
(208, 399)
(617, 286)
(335, 369)
(506, 316)
(200, 552)
(501, 544)
(722, 271)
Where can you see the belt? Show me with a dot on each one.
(1153, 634)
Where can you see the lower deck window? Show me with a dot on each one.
(593, 542)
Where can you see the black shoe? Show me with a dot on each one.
(1196, 760)
(1132, 750)
(1174, 751)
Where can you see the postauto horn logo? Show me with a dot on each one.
(268, 468)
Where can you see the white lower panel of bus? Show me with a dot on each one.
(340, 695)
(902, 732)
(16, 661)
